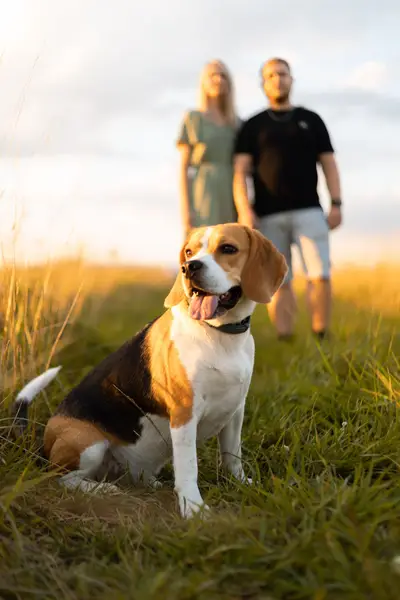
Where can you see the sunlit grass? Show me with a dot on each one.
(321, 438)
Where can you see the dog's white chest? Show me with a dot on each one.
(219, 369)
(218, 376)
(220, 389)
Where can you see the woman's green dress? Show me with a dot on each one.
(210, 187)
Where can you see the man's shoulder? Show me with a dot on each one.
(304, 112)
(254, 118)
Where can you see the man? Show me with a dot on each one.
(280, 148)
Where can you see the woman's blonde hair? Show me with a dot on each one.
(228, 100)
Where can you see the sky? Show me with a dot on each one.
(93, 93)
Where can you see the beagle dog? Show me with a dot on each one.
(180, 380)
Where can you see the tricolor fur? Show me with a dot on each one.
(177, 382)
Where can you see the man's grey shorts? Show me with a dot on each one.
(308, 229)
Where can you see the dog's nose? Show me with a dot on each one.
(191, 266)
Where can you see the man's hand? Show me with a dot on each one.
(334, 217)
(243, 165)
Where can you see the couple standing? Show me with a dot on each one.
(279, 149)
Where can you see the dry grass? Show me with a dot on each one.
(39, 304)
(374, 289)
(321, 437)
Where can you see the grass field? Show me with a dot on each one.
(321, 437)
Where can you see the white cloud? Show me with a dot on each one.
(95, 92)
(370, 76)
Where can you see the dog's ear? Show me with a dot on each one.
(177, 293)
(265, 268)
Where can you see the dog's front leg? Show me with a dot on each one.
(185, 465)
(230, 446)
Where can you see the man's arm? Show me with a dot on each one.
(243, 163)
(332, 178)
(242, 167)
(327, 160)
(331, 173)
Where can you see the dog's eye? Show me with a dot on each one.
(228, 249)
(188, 253)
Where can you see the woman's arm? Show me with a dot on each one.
(184, 187)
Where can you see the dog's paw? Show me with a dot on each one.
(248, 481)
(191, 509)
(106, 488)
(191, 503)
(92, 487)
(75, 482)
(240, 475)
(155, 483)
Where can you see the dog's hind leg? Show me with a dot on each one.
(90, 462)
(79, 448)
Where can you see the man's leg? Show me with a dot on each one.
(282, 311)
(282, 308)
(319, 300)
(312, 237)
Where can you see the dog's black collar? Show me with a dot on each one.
(233, 328)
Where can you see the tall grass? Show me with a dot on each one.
(36, 307)
(321, 439)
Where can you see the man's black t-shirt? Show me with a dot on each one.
(284, 146)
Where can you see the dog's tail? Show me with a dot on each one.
(27, 395)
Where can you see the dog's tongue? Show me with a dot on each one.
(203, 308)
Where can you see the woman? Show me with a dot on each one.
(206, 143)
